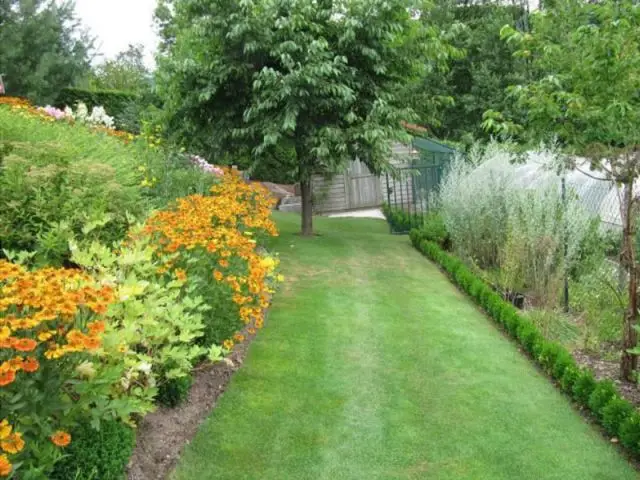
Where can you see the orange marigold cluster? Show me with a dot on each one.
(223, 225)
(38, 313)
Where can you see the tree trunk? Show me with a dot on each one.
(629, 361)
(307, 206)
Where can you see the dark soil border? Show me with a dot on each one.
(163, 434)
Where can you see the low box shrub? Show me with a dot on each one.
(400, 220)
(616, 415)
(602, 394)
(96, 453)
(630, 432)
(175, 391)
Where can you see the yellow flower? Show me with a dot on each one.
(5, 429)
(228, 344)
(280, 278)
(5, 332)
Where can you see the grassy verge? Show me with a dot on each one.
(373, 365)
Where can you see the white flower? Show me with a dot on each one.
(145, 367)
(81, 112)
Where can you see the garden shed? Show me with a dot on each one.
(419, 165)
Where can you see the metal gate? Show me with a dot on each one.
(410, 195)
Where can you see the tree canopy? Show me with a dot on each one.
(322, 77)
(126, 72)
(43, 48)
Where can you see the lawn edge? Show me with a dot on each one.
(599, 402)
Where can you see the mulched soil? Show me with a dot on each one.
(163, 434)
(608, 369)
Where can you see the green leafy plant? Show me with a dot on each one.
(174, 391)
(602, 394)
(96, 454)
(615, 413)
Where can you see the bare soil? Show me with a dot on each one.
(163, 434)
(608, 370)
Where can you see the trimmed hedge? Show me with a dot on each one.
(97, 454)
(616, 415)
(399, 220)
(115, 102)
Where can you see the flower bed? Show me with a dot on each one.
(98, 344)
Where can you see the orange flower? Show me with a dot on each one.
(7, 377)
(30, 365)
(217, 274)
(238, 337)
(223, 262)
(61, 439)
(5, 466)
(13, 443)
(92, 343)
(181, 274)
(25, 344)
(97, 327)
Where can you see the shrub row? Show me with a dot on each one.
(400, 220)
(115, 102)
(617, 416)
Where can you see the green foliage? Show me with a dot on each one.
(96, 454)
(61, 181)
(47, 198)
(569, 378)
(324, 78)
(584, 386)
(43, 48)
(574, 54)
(126, 72)
(615, 413)
(555, 325)
(124, 106)
(601, 302)
(400, 220)
(476, 81)
(630, 432)
(174, 391)
(434, 230)
(158, 316)
(602, 394)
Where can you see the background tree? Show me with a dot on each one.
(584, 93)
(43, 48)
(324, 77)
(126, 72)
(476, 81)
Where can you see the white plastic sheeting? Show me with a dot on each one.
(597, 197)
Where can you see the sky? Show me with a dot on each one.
(117, 23)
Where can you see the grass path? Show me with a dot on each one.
(373, 366)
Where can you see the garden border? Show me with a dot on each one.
(615, 415)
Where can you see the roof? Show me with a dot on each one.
(430, 145)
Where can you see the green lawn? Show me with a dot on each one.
(373, 366)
